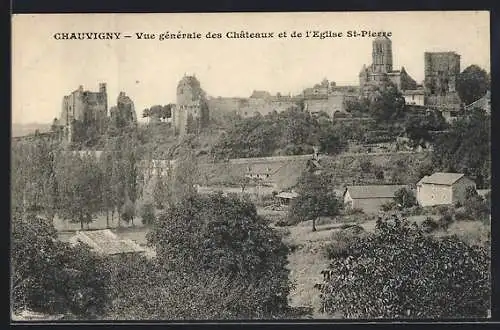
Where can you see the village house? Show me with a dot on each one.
(106, 243)
(443, 189)
(369, 199)
(285, 197)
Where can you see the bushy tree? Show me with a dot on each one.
(465, 148)
(388, 103)
(223, 240)
(50, 276)
(472, 84)
(316, 198)
(401, 272)
(419, 128)
(405, 198)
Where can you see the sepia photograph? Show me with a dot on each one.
(251, 166)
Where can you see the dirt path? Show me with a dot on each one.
(306, 263)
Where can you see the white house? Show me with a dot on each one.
(414, 97)
(443, 189)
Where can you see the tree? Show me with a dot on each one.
(358, 108)
(465, 148)
(405, 198)
(148, 215)
(160, 195)
(388, 103)
(128, 211)
(50, 276)
(472, 84)
(315, 199)
(223, 238)
(401, 272)
(185, 175)
(79, 182)
(106, 165)
(418, 129)
(330, 141)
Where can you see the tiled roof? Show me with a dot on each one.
(106, 242)
(441, 178)
(375, 191)
(287, 195)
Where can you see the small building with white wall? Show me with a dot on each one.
(443, 189)
(414, 97)
(370, 198)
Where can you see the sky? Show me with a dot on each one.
(45, 69)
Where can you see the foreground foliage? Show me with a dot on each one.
(50, 276)
(400, 272)
(216, 258)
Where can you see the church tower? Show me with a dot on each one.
(382, 55)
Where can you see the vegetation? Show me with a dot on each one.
(465, 148)
(50, 276)
(386, 104)
(224, 237)
(316, 198)
(405, 198)
(400, 272)
(292, 132)
(472, 84)
(158, 112)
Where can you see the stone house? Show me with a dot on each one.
(443, 189)
(369, 198)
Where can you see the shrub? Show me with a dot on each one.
(476, 207)
(353, 211)
(429, 225)
(342, 242)
(400, 272)
(445, 221)
(389, 206)
(405, 197)
(415, 210)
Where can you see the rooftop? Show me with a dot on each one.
(441, 178)
(106, 242)
(375, 191)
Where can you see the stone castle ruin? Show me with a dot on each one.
(191, 113)
(193, 107)
(90, 110)
(441, 72)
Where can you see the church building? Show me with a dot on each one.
(373, 76)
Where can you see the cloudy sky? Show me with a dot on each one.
(45, 69)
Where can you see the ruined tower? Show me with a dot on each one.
(86, 107)
(441, 73)
(190, 113)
